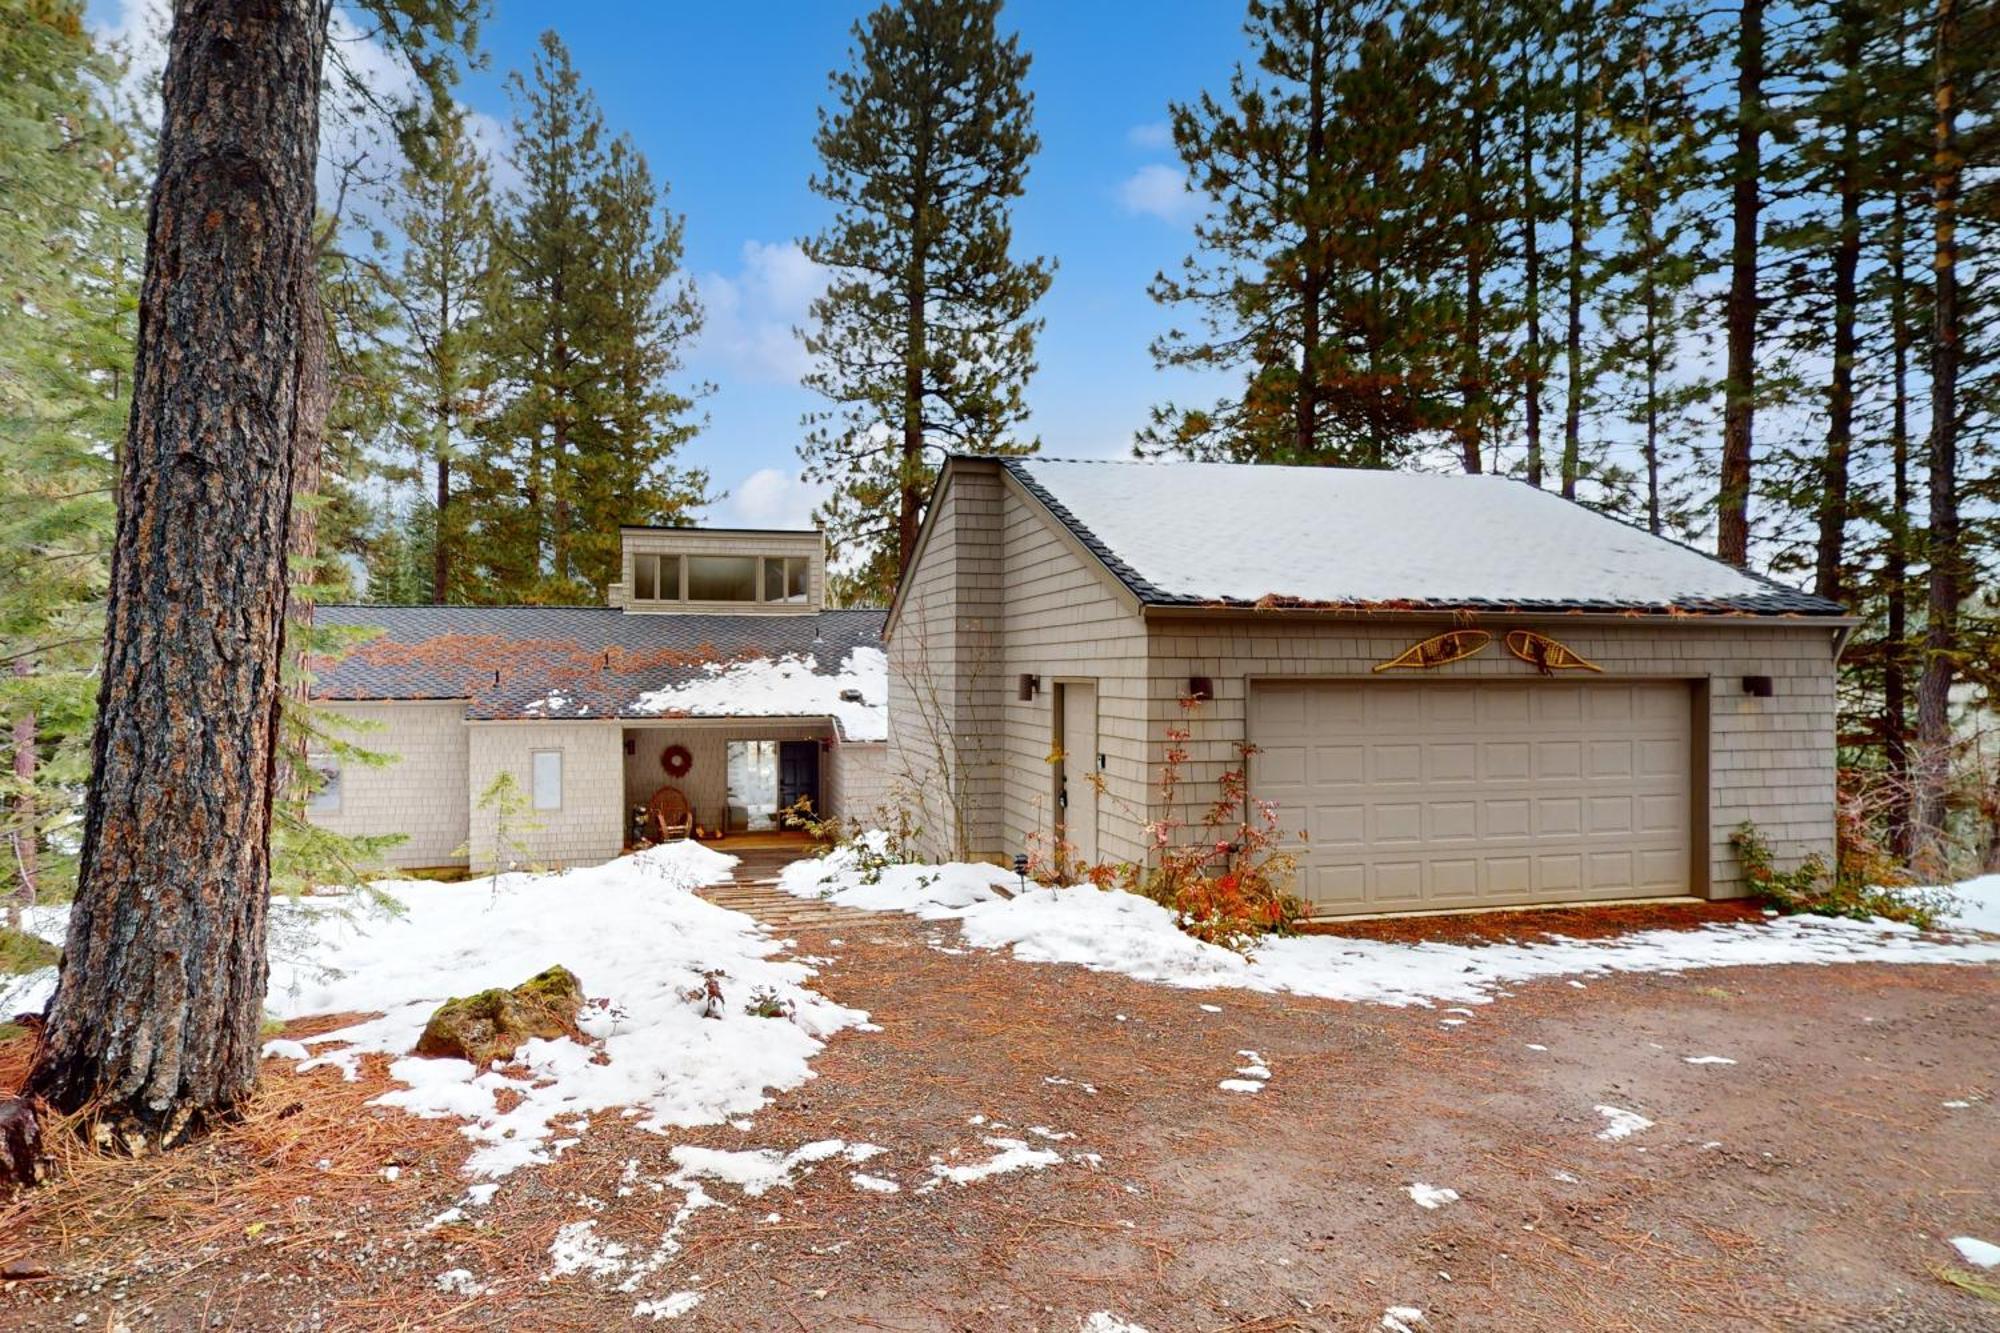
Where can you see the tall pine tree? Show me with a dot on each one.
(925, 337)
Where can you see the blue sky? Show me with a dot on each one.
(723, 101)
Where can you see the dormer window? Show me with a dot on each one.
(721, 570)
(786, 579)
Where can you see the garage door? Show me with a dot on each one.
(1428, 794)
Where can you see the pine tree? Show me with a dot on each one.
(443, 214)
(586, 312)
(924, 338)
(1745, 178)
(70, 171)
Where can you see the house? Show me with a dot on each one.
(1462, 690)
(715, 668)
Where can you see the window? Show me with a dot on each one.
(722, 578)
(752, 785)
(326, 796)
(547, 779)
(785, 580)
(656, 578)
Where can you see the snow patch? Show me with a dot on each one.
(1014, 1155)
(1108, 930)
(1402, 1318)
(1706, 1060)
(1430, 1197)
(1620, 1123)
(644, 942)
(667, 1307)
(1103, 1321)
(1975, 1251)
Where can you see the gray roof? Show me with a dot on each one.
(507, 661)
(1234, 534)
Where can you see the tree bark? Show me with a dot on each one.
(1896, 557)
(1572, 455)
(154, 1025)
(1472, 364)
(1732, 528)
(1305, 405)
(1833, 506)
(1934, 738)
(1531, 275)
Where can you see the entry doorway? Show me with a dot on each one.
(766, 778)
(1077, 761)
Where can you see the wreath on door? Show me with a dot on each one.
(676, 760)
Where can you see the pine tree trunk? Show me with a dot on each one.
(1531, 277)
(1472, 388)
(1732, 528)
(26, 848)
(1896, 557)
(1306, 403)
(440, 538)
(154, 1025)
(1572, 455)
(1934, 738)
(1830, 547)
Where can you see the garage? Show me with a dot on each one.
(1418, 795)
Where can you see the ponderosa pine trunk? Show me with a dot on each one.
(1732, 526)
(154, 1025)
(1830, 548)
(1934, 736)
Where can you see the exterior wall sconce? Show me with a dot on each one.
(1758, 687)
(1031, 685)
(1201, 688)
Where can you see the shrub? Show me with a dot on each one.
(1851, 891)
(1224, 878)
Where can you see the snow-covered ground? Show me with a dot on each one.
(637, 938)
(1113, 931)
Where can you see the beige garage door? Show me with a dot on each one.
(1431, 794)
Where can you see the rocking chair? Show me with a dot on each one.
(669, 816)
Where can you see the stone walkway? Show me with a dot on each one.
(755, 892)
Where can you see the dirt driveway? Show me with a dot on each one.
(1811, 1183)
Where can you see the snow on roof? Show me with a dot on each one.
(1231, 532)
(856, 696)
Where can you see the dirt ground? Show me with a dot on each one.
(1811, 1184)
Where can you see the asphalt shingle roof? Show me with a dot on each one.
(507, 662)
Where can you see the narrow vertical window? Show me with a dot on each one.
(646, 578)
(547, 779)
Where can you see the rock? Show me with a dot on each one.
(492, 1025)
(24, 1270)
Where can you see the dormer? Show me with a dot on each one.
(709, 570)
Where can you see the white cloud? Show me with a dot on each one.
(768, 498)
(1159, 190)
(1154, 134)
(751, 315)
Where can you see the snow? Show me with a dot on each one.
(1976, 1251)
(861, 1180)
(790, 685)
(1400, 1318)
(759, 1169)
(1429, 1197)
(1978, 904)
(1103, 1321)
(645, 941)
(1620, 1123)
(1108, 930)
(1014, 1155)
(1706, 1060)
(667, 1307)
(1221, 530)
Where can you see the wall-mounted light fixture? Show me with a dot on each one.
(1758, 687)
(1201, 688)
(1031, 685)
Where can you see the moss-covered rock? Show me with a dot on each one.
(492, 1024)
(22, 952)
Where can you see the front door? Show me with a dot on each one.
(798, 775)
(1076, 791)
